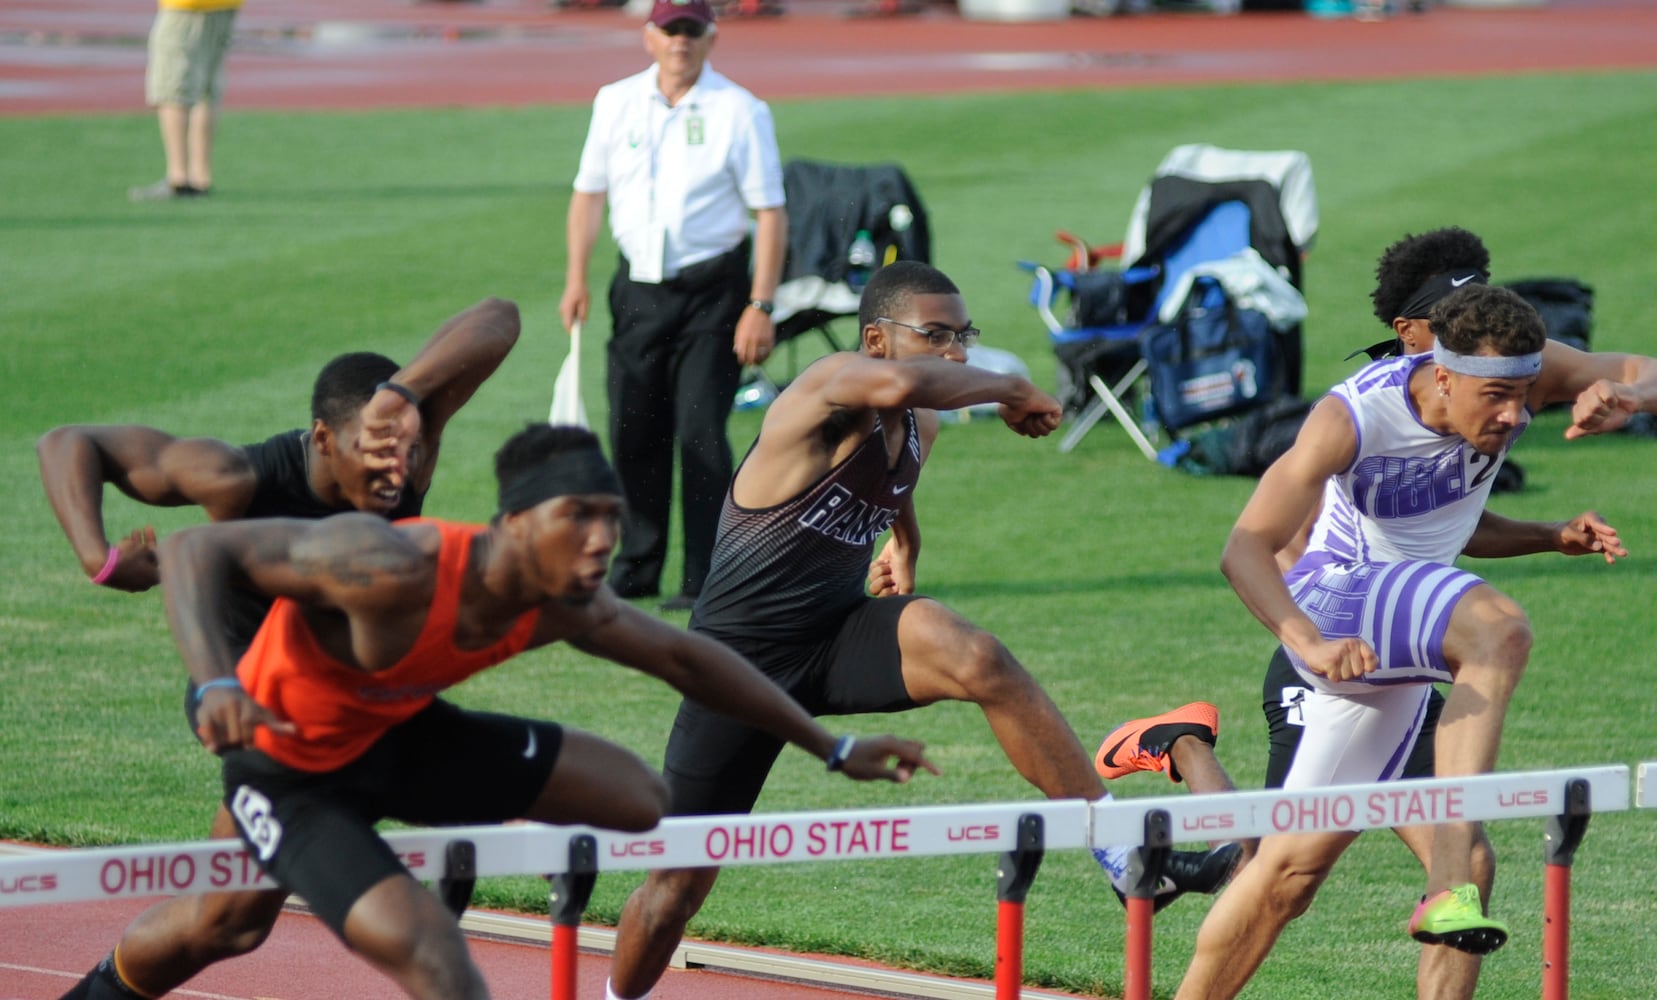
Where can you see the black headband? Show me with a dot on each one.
(573, 472)
(1438, 287)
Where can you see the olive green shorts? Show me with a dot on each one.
(186, 61)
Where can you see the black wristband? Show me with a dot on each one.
(842, 750)
(401, 390)
(763, 305)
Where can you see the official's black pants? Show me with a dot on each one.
(672, 374)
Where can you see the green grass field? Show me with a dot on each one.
(333, 232)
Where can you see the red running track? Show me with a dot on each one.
(87, 55)
(46, 950)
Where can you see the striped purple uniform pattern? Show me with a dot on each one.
(1379, 562)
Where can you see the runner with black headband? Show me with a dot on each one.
(372, 445)
(1411, 277)
(1396, 463)
(331, 720)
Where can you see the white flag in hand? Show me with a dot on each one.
(567, 407)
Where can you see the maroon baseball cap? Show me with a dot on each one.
(665, 12)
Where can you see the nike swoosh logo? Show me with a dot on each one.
(1458, 282)
(529, 751)
(1110, 755)
(899, 490)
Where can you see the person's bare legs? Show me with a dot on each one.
(406, 932)
(598, 782)
(175, 142)
(1446, 973)
(1198, 767)
(945, 658)
(653, 923)
(170, 942)
(199, 161)
(1244, 923)
(1487, 644)
(1202, 773)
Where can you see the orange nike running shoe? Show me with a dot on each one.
(1143, 744)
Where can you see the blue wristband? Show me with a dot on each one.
(842, 750)
(218, 682)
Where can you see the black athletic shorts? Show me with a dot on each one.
(1280, 699)
(314, 832)
(715, 764)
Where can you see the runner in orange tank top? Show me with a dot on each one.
(331, 722)
(337, 710)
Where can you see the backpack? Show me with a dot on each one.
(1248, 445)
(1214, 359)
(1565, 304)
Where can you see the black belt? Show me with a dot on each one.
(704, 272)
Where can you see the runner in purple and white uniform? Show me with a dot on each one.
(1401, 458)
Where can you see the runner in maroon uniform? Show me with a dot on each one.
(797, 588)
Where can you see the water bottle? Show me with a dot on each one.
(860, 260)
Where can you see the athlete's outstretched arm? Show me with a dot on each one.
(893, 570)
(146, 464)
(1498, 537)
(935, 383)
(357, 564)
(1603, 388)
(716, 676)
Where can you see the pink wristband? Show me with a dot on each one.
(109, 565)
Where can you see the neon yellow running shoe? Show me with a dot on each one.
(1455, 917)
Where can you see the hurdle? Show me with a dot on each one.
(1020, 832)
(573, 856)
(1566, 797)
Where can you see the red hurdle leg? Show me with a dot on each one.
(1564, 833)
(1145, 867)
(1556, 932)
(564, 960)
(1136, 970)
(568, 896)
(1018, 869)
(1009, 950)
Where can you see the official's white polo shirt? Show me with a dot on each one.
(680, 180)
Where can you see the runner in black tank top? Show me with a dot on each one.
(283, 489)
(789, 573)
(793, 567)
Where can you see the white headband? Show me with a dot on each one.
(1520, 366)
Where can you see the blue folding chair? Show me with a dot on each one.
(1104, 356)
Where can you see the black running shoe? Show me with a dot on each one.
(1206, 872)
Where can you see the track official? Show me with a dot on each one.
(682, 156)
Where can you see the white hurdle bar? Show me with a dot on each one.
(573, 856)
(1565, 796)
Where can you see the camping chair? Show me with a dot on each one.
(828, 203)
(1105, 357)
(1276, 186)
(1203, 206)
